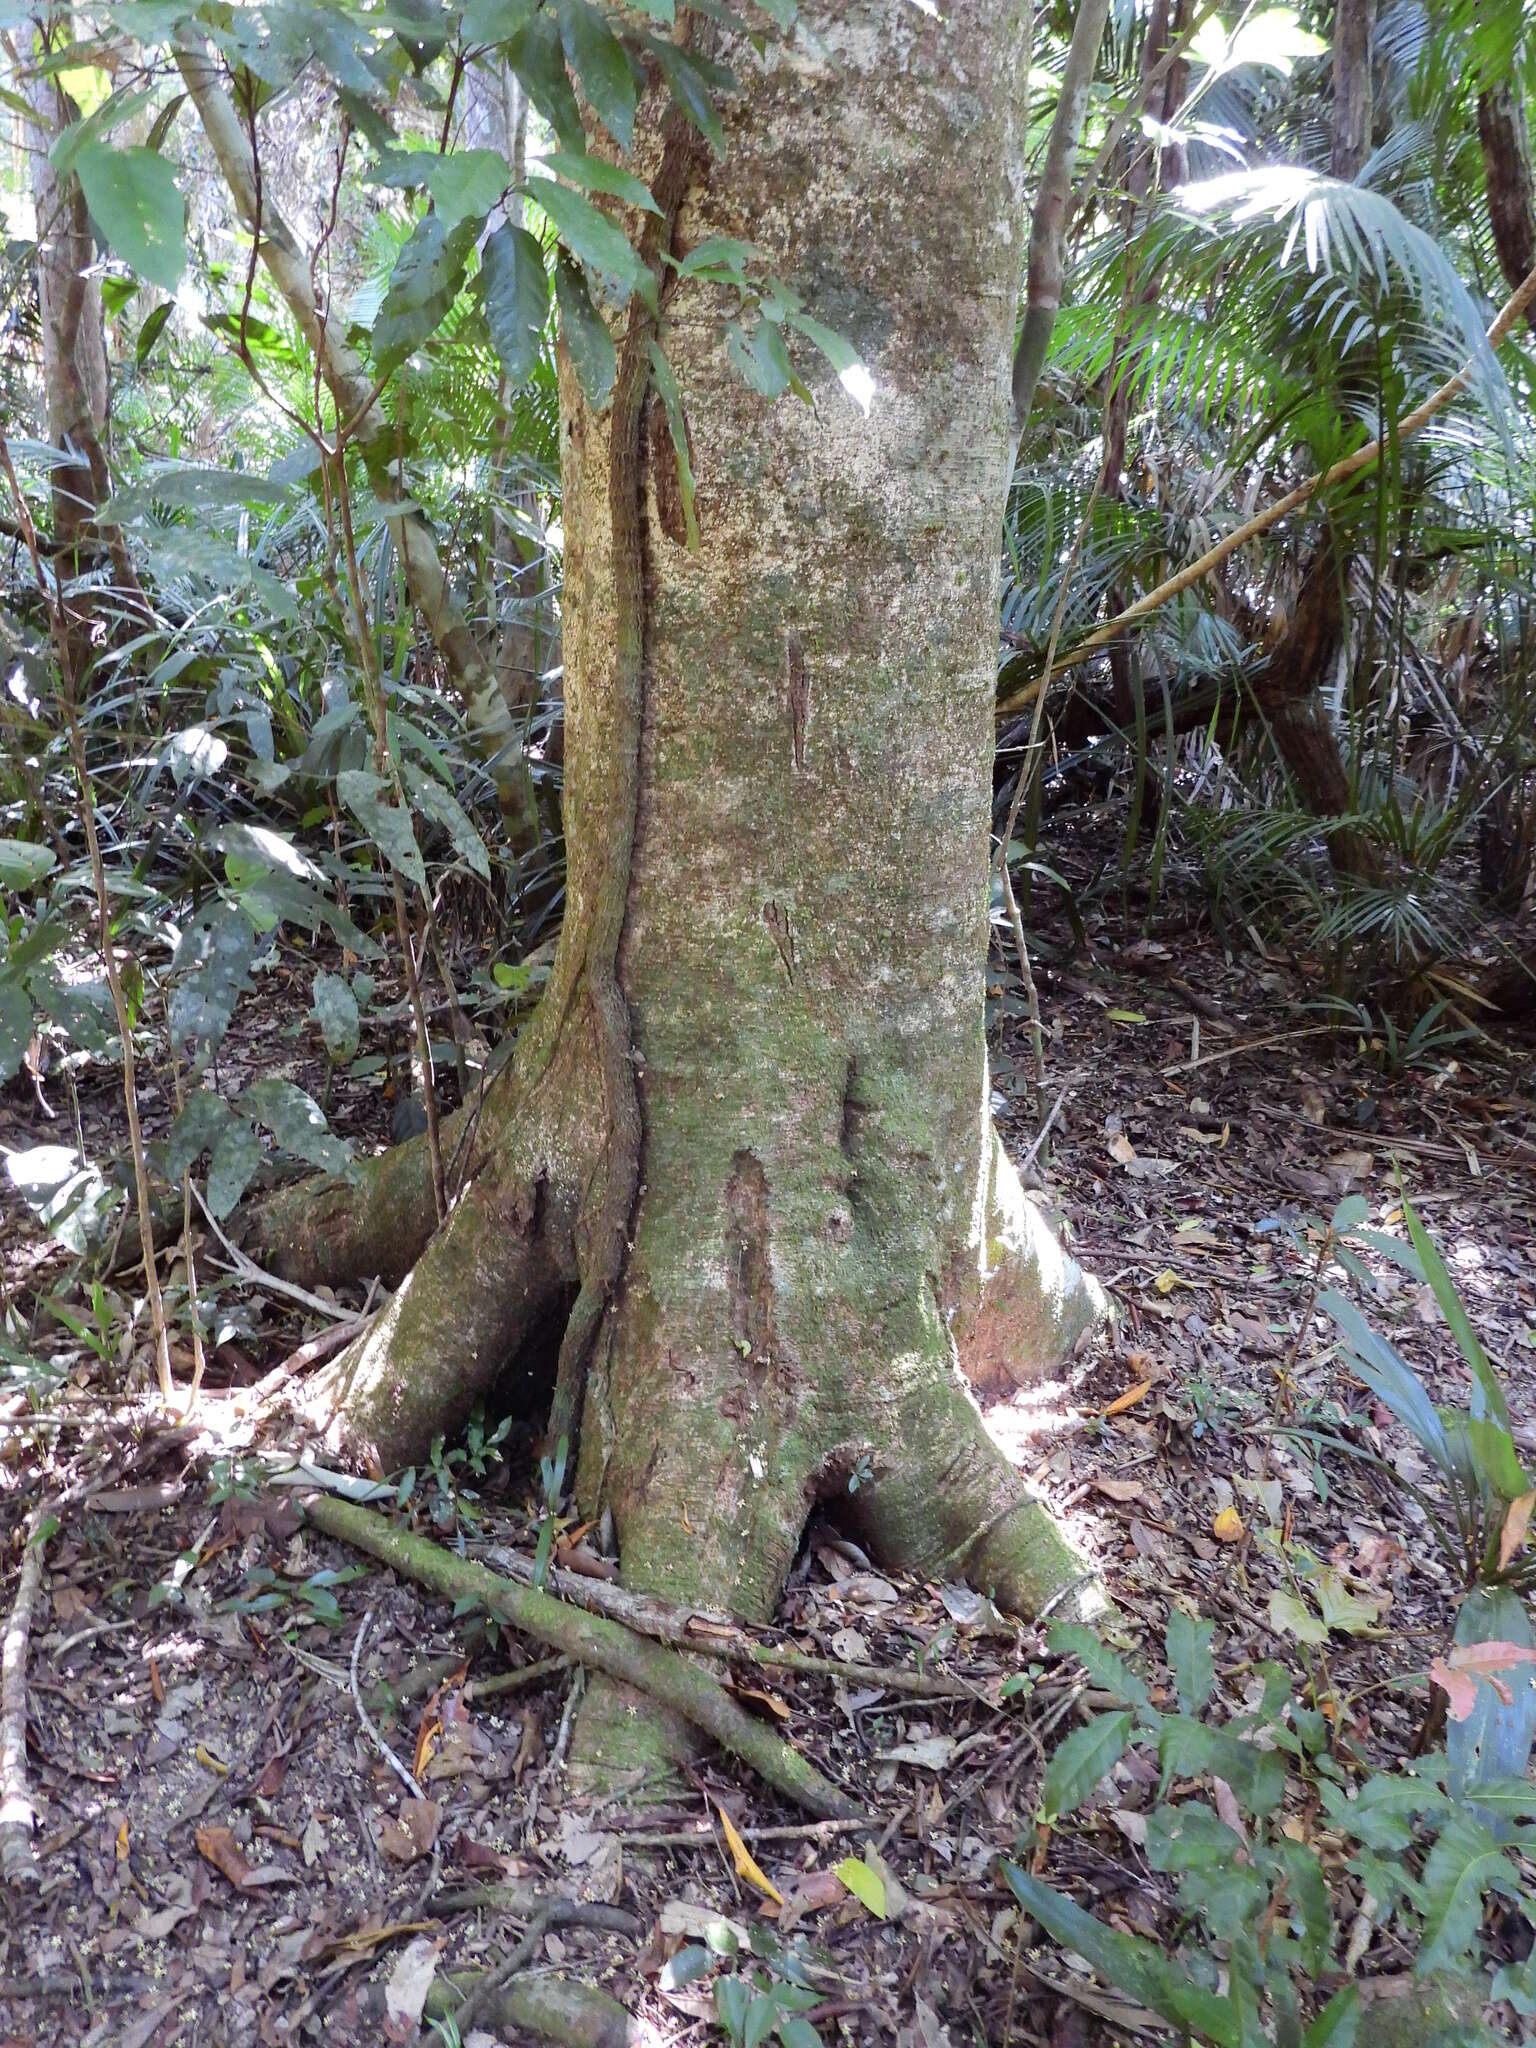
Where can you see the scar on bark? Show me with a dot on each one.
(776, 917)
(748, 1272)
(797, 694)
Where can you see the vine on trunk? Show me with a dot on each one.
(609, 1199)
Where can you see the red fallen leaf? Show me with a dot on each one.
(219, 1847)
(814, 1893)
(270, 1783)
(1457, 1675)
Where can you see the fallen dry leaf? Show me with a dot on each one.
(1128, 1399)
(405, 1991)
(1228, 1527)
(219, 1847)
(741, 1857)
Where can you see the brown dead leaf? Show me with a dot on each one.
(1120, 1489)
(219, 1847)
(815, 1892)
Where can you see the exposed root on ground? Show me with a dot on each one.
(660, 1674)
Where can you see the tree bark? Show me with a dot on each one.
(1299, 720)
(1506, 138)
(751, 1116)
(76, 380)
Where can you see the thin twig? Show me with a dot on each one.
(248, 1269)
(369, 1728)
(17, 1863)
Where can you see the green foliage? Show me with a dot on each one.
(1255, 1900)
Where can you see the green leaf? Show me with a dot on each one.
(867, 1885)
(1292, 1617)
(1309, 1903)
(686, 1967)
(386, 823)
(198, 1129)
(514, 286)
(1109, 1673)
(690, 88)
(731, 1997)
(443, 809)
(465, 184)
(119, 107)
(135, 203)
(596, 174)
(1128, 1963)
(151, 331)
(235, 1159)
(15, 1028)
(1383, 1812)
(597, 57)
(296, 1121)
(1082, 1760)
(23, 863)
(585, 334)
(591, 236)
(762, 2018)
(492, 21)
(1190, 1836)
(1487, 1394)
(1188, 1643)
(1465, 1864)
(422, 286)
(335, 1011)
(797, 2032)
(536, 54)
(1190, 1749)
(666, 385)
(211, 969)
(1389, 1377)
(1349, 1215)
(760, 356)
(1335, 2025)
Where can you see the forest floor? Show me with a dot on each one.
(224, 1855)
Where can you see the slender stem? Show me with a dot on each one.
(104, 928)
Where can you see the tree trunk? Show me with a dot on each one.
(1506, 139)
(751, 1115)
(1303, 731)
(76, 386)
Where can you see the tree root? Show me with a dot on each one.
(557, 2009)
(17, 1863)
(661, 1674)
(717, 1636)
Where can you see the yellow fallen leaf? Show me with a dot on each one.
(210, 1762)
(1128, 1399)
(122, 1843)
(1167, 1280)
(1228, 1526)
(741, 1856)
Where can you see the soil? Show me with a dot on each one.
(226, 1856)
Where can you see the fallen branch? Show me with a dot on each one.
(591, 1639)
(1341, 472)
(713, 1635)
(17, 1863)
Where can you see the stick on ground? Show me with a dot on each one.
(17, 1863)
(662, 1674)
